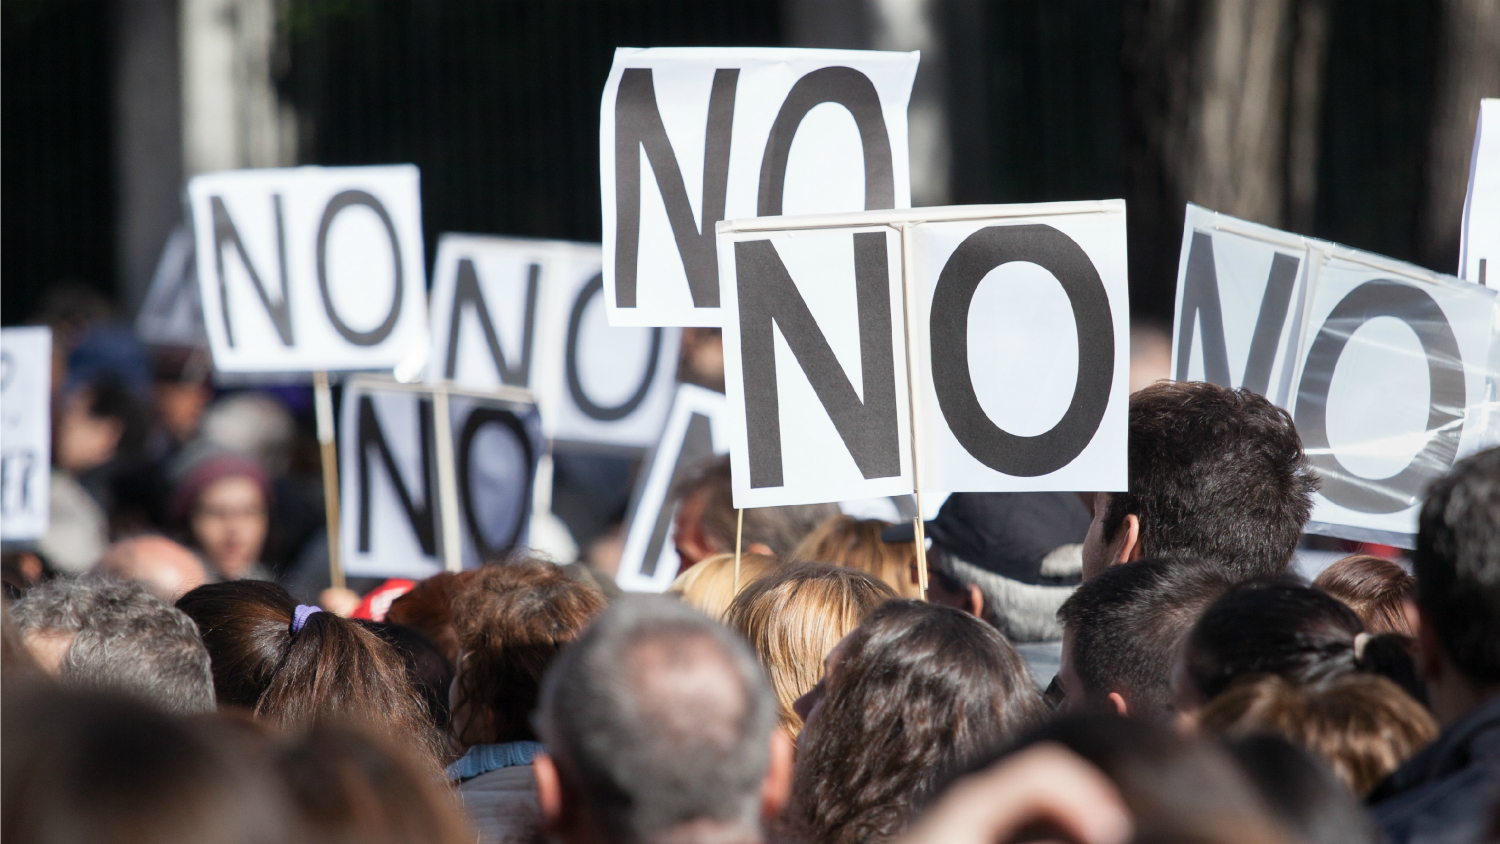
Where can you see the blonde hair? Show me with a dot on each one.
(856, 544)
(709, 586)
(1362, 725)
(795, 616)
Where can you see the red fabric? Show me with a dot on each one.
(378, 602)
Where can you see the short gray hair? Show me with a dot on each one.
(124, 639)
(659, 716)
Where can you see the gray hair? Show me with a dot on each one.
(124, 639)
(659, 717)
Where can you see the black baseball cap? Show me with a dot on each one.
(1008, 533)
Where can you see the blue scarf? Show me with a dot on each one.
(483, 758)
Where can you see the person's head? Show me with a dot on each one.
(707, 520)
(709, 586)
(1122, 629)
(915, 691)
(1301, 791)
(513, 620)
(428, 609)
(1363, 726)
(1216, 474)
(659, 725)
(429, 668)
(163, 566)
(1279, 627)
(350, 787)
(795, 616)
(97, 767)
(1380, 592)
(856, 543)
(96, 632)
(224, 500)
(295, 666)
(1457, 566)
(98, 422)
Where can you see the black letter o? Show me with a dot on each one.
(575, 384)
(337, 204)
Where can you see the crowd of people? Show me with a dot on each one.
(1098, 668)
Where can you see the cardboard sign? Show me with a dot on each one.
(1385, 367)
(391, 524)
(25, 432)
(691, 136)
(311, 268)
(695, 430)
(1017, 322)
(530, 313)
(172, 313)
(1479, 245)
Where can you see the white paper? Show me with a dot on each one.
(340, 266)
(694, 431)
(827, 163)
(25, 431)
(802, 455)
(1385, 395)
(172, 314)
(1048, 351)
(1479, 245)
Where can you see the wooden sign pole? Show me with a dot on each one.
(323, 403)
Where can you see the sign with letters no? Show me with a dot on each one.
(1385, 367)
(311, 268)
(692, 136)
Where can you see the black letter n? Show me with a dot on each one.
(767, 295)
(225, 234)
(638, 124)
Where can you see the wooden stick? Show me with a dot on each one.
(739, 535)
(921, 535)
(442, 423)
(909, 294)
(323, 404)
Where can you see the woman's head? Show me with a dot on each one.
(1380, 592)
(795, 616)
(428, 609)
(296, 666)
(856, 543)
(512, 621)
(918, 691)
(224, 500)
(709, 586)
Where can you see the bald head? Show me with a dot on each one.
(167, 569)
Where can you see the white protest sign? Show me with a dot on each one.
(1017, 318)
(25, 432)
(694, 431)
(1479, 244)
(530, 313)
(311, 268)
(1384, 366)
(692, 136)
(391, 512)
(172, 313)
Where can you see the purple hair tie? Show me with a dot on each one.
(301, 614)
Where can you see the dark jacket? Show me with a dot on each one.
(1446, 793)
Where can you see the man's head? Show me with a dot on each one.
(96, 632)
(1216, 474)
(1457, 566)
(706, 519)
(659, 723)
(166, 568)
(1121, 631)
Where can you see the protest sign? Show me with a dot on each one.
(1479, 243)
(694, 431)
(393, 507)
(1011, 330)
(311, 268)
(530, 313)
(172, 313)
(25, 432)
(692, 136)
(1385, 367)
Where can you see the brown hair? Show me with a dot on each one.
(777, 528)
(513, 620)
(349, 786)
(1375, 588)
(331, 669)
(856, 543)
(428, 609)
(1364, 726)
(920, 690)
(709, 586)
(794, 618)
